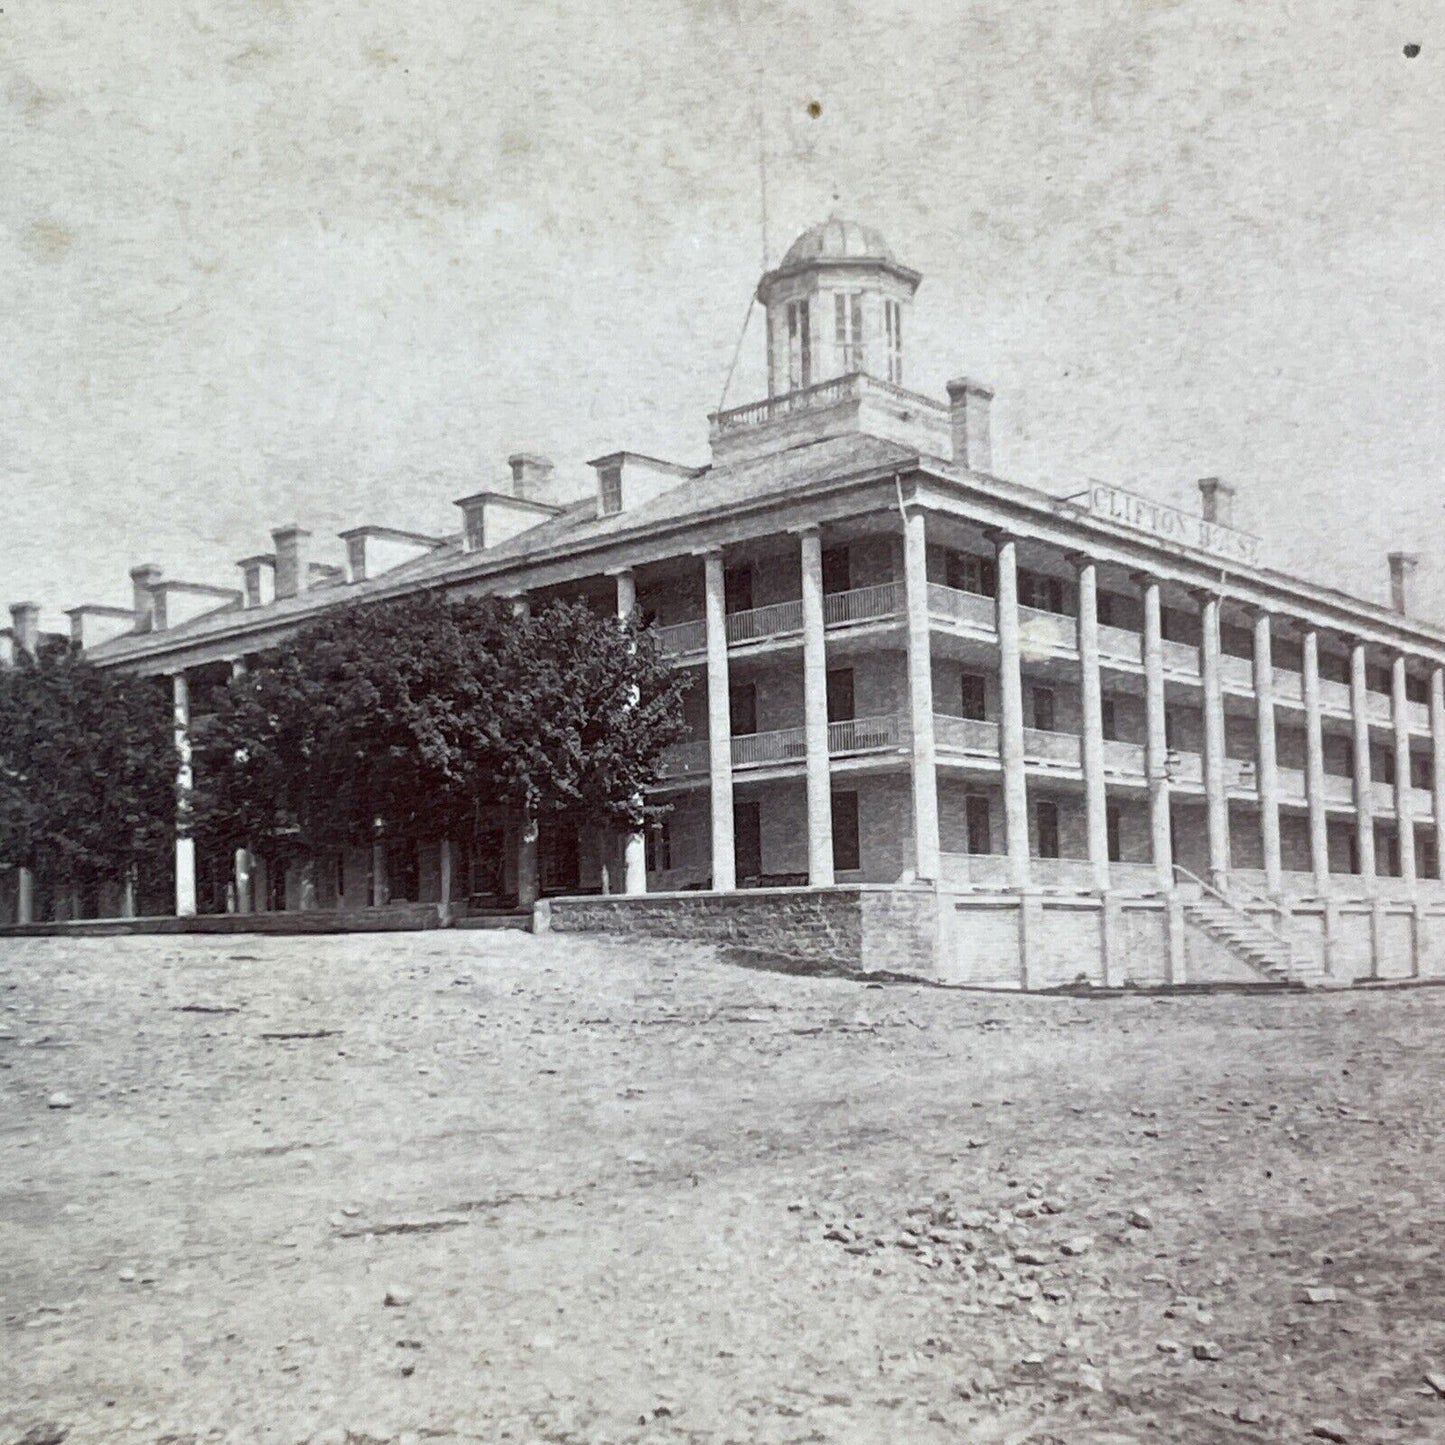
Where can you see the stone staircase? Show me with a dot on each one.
(1249, 940)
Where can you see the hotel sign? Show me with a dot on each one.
(1170, 524)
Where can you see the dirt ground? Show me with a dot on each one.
(638, 1193)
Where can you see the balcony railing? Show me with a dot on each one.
(864, 734)
(1055, 750)
(1120, 645)
(862, 604)
(1339, 789)
(1291, 785)
(686, 760)
(1123, 760)
(967, 609)
(773, 620)
(1288, 686)
(1047, 632)
(1181, 657)
(1377, 706)
(1236, 672)
(1334, 695)
(965, 735)
(819, 398)
(680, 639)
(1417, 716)
(783, 745)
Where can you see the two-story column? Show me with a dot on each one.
(634, 874)
(1267, 761)
(1404, 797)
(529, 859)
(1364, 782)
(1215, 797)
(1315, 764)
(242, 862)
(920, 697)
(815, 714)
(719, 726)
(1011, 711)
(1091, 693)
(185, 843)
(1437, 763)
(1156, 744)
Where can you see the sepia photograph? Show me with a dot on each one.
(722, 723)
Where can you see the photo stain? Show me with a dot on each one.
(815, 107)
(1411, 51)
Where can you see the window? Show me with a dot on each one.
(1112, 822)
(610, 479)
(1110, 609)
(1111, 720)
(558, 858)
(738, 588)
(967, 573)
(1172, 730)
(402, 870)
(893, 328)
(1416, 688)
(848, 330)
(847, 854)
(1426, 858)
(1043, 707)
(837, 575)
(976, 818)
(973, 696)
(1422, 771)
(1046, 820)
(840, 695)
(659, 846)
(339, 884)
(1045, 594)
(748, 840)
(800, 347)
(476, 534)
(743, 709)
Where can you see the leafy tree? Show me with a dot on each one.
(87, 772)
(410, 716)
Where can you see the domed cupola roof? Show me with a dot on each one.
(838, 243)
(836, 239)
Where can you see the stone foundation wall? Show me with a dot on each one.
(396, 919)
(852, 929)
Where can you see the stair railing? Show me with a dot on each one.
(1234, 907)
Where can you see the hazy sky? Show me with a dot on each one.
(275, 260)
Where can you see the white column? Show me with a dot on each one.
(1267, 763)
(1011, 713)
(719, 727)
(1364, 794)
(1437, 763)
(635, 845)
(244, 869)
(1404, 799)
(446, 866)
(920, 695)
(24, 895)
(185, 844)
(128, 893)
(1096, 805)
(1215, 797)
(1156, 748)
(815, 715)
(380, 883)
(1315, 765)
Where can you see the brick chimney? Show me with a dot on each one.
(143, 604)
(969, 402)
(1402, 564)
(252, 572)
(1216, 499)
(293, 564)
(529, 474)
(25, 628)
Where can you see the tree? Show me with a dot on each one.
(405, 718)
(87, 772)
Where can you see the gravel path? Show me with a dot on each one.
(635, 1193)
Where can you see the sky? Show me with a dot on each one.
(268, 261)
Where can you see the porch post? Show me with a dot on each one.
(1267, 763)
(24, 895)
(920, 697)
(1364, 787)
(1011, 719)
(635, 846)
(815, 715)
(1156, 748)
(185, 844)
(1437, 741)
(1216, 799)
(1096, 805)
(1315, 765)
(1404, 798)
(719, 727)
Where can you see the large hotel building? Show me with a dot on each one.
(943, 723)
